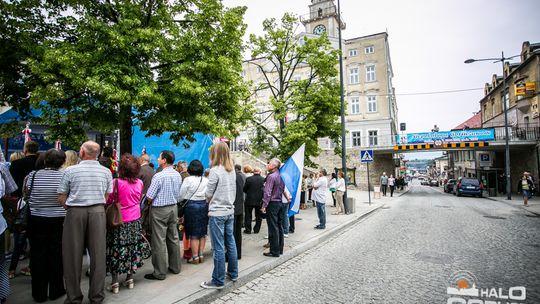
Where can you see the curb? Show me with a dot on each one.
(207, 295)
(512, 205)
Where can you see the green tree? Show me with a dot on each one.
(303, 108)
(164, 65)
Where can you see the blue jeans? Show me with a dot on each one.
(285, 218)
(321, 212)
(221, 236)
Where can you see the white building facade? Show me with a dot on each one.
(371, 113)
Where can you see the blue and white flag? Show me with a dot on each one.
(291, 173)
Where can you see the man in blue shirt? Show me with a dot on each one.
(163, 195)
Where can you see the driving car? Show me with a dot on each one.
(468, 186)
(449, 186)
(434, 182)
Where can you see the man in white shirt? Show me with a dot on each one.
(320, 188)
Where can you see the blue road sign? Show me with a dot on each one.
(366, 156)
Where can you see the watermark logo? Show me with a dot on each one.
(464, 289)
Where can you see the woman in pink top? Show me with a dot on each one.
(124, 245)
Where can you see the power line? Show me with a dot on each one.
(427, 93)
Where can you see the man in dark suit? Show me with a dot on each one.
(20, 168)
(146, 172)
(239, 209)
(254, 194)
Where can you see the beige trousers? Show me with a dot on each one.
(339, 201)
(165, 241)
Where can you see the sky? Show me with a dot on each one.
(429, 40)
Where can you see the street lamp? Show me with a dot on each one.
(503, 59)
(343, 139)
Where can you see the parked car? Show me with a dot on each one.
(434, 182)
(449, 186)
(468, 186)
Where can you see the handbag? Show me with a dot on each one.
(23, 208)
(183, 203)
(113, 211)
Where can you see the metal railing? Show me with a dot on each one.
(522, 132)
(329, 11)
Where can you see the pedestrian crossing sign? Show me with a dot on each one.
(366, 156)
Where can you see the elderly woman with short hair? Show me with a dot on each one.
(45, 226)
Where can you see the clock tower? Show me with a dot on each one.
(322, 17)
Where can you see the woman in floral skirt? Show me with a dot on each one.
(125, 249)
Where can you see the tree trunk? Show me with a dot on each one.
(126, 127)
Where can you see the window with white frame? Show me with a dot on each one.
(355, 105)
(369, 49)
(354, 76)
(258, 70)
(356, 138)
(353, 52)
(373, 139)
(370, 73)
(506, 99)
(372, 104)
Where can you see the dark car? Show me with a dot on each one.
(434, 182)
(449, 186)
(468, 186)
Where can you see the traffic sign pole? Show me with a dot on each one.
(366, 156)
(368, 185)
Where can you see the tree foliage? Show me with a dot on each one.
(300, 74)
(164, 65)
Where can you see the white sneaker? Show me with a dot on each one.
(266, 236)
(285, 235)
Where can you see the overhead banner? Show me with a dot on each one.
(438, 138)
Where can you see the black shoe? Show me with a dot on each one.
(291, 231)
(247, 232)
(320, 227)
(151, 276)
(268, 254)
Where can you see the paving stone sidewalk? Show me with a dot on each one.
(184, 287)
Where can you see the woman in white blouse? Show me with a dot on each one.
(196, 210)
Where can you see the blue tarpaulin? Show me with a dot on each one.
(199, 149)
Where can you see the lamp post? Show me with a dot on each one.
(503, 59)
(343, 139)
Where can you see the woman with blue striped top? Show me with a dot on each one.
(45, 228)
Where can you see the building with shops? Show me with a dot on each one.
(521, 97)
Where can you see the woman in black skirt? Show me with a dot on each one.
(196, 210)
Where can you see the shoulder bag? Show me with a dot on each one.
(23, 208)
(113, 211)
(182, 204)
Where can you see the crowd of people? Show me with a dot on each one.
(69, 196)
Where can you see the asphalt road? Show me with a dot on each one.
(411, 252)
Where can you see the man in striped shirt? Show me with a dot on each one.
(163, 195)
(83, 191)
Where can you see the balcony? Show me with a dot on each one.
(524, 104)
(521, 132)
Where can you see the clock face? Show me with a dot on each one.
(319, 29)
